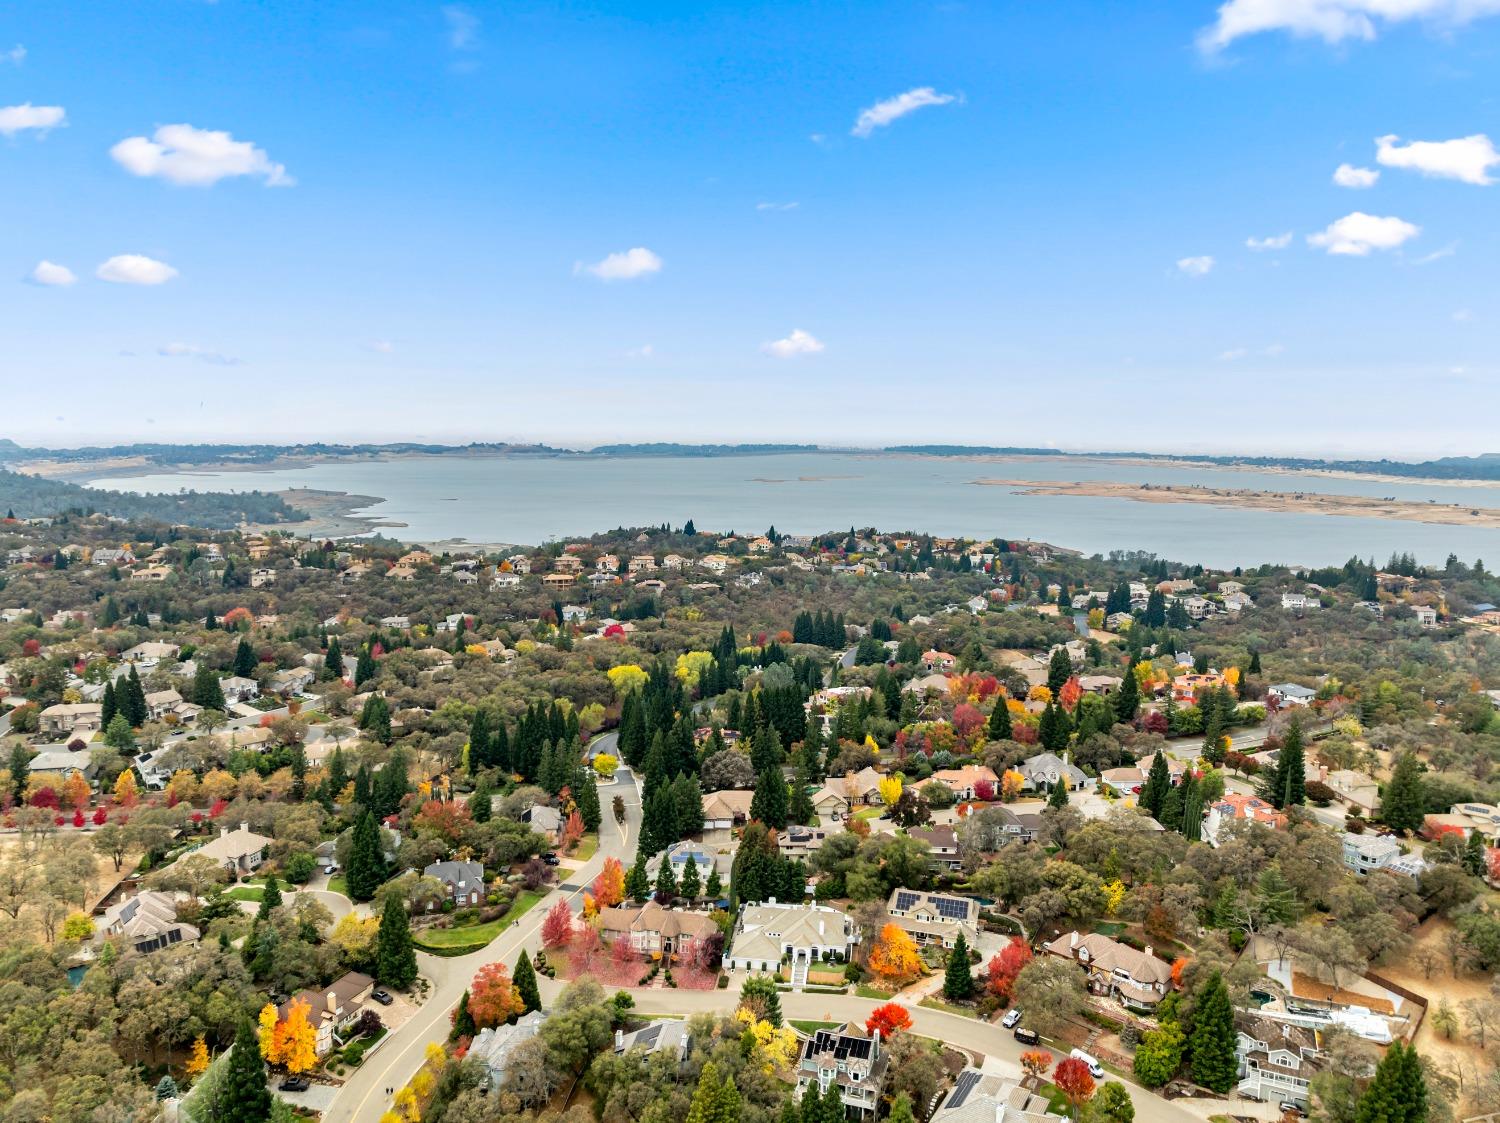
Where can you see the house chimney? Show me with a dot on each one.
(245, 825)
(619, 1041)
(1148, 950)
(1073, 939)
(223, 831)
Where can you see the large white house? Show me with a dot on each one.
(766, 934)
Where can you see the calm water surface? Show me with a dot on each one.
(525, 500)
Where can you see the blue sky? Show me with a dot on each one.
(1038, 236)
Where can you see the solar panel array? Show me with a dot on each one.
(952, 908)
(967, 1079)
(905, 901)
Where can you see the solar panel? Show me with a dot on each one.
(967, 1079)
(952, 908)
(905, 901)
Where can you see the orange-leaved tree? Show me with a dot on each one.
(889, 1018)
(609, 886)
(894, 956)
(493, 998)
(300, 1040)
(1036, 1062)
(1074, 1080)
(1005, 965)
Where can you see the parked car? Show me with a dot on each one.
(295, 1084)
(330, 869)
(382, 996)
(550, 859)
(1287, 1106)
(1096, 1070)
(1010, 1019)
(1026, 1036)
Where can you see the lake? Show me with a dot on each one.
(531, 500)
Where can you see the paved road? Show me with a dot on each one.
(364, 1097)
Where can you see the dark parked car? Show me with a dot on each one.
(1026, 1036)
(550, 859)
(382, 996)
(296, 1084)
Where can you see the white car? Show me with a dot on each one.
(1010, 1019)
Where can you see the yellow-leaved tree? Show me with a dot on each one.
(267, 1032)
(894, 957)
(776, 1048)
(126, 791)
(691, 664)
(627, 677)
(300, 1039)
(872, 744)
(1114, 893)
(197, 1064)
(890, 790)
(1011, 783)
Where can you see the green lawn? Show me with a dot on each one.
(948, 1007)
(1057, 1103)
(461, 941)
(1110, 928)
(245, 893)
(585, 849)
(870, 813)
(812, 1027)
(866, 991)
(337, 884)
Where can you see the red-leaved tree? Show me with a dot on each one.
(557, 928)
(984, 791)
(1005, 965)
(1074, 1080)
(889, 1018)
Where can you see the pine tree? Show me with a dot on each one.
(1059, 667)
(1398, 1091)
(1213, 1039)
(242, 1095)
(109, 707)
(463, 1020)
(691, 884)
(706, 1096)
(524, 979)
(244, 659)
(479, 743)
(666, 882)
(206, 691)
(637, 881)
(1000, 728)
(364, 666)
(1171, 810)
(481, 803)
(333, 660)
(901, 1111)
(395, 957)
(1403, 803)
(1474, 854)
(270, 898)
(714, 888)
(1192, 808)
(366, 862)
(587, 795)
(1128, 698)
(801, 809)
(133, 703)
(1059, 794)
(1158, 783)
(769, 804)
(1285, 784)
(958, 979)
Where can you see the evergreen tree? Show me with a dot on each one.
(1052, 728)
(243, 1095)
(765, 749)
(1059, 794)
(366, 862)
(1254, 663)
(1171, 810)
(1158, 782)
(333, 660)
(637, 882)
(166, 1087)
(1403, 803)
(1000, 728)
(587, 796)
(1213, 730)
(958, 979)
(1398, 1091)
(463, 1020)
(244, 659)
(691, 884)
(395, 956)
(901, 1111)
(109, 706)
(1285, 784)
(1474, 854)
(801, 809)
(1128, 698)
(20, 770)
(206, 691)
(479, 743)
(364, 666)
(270, 898)
(713, 889)
(1213, 1040)
(769, 804)
(666, 882)
(1059, 669)
(482, 803)
(1192, 808)
(133, 703)
(524, 979)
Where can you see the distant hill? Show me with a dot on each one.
(669, 449)
(31, 497)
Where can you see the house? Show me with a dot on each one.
(145, 923)
(642, 563)
(575, 613)
(800, 842)
(934, 660)
(980, 1096)
(154, 775)
(831, 802)
(259, 578)
(1366, 852)
(607, 563)
(766, 934)
(942, 845)
(546, 821)
(1041, 773)
(506, 580)
(154, 573)
(1481, 817)
(1137, 978)
(1355, 790)
(1426, 616)
(558, 580)
(668, 1035)
(401, 622)
(333, 1009)
(1298, 602)
(239, 689)
(934, 917)
(652, 929)
(1019, 826)
(293, 681)
(463, 881)
(706, 859)
(1237, 602)
(70, 717)
(1103, 685)
(1129, 780)
(1290, 694)
(1277, 1060)
(862, 787)
(159, 703)
(724, 811)
(1186, 688)
(493, 1045)
(240, 851)
(65, 762)
(966, 782)
(850, 1059)
(1233, 805)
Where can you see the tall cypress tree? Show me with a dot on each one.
(333, 660)
(769, 804)
(524, 978)
(1059, 796)
(244, 659)
(637, 882)
(958, 978)
(1128, 699)
(109, 706)
(587, 796)
(1403, 803)
(1213, 1040)
(395, 957)
(1000, 727)
(1158, 783)
(479, 743)
(366, 863)
(243, 1095)
(1285, 785)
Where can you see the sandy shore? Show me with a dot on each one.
(1295, 502)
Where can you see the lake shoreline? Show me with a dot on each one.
(1281, 502)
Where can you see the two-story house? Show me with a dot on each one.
(1136, 978)
(805, 934)
(462, 881)
(1277, 1060)
(934, 917)
(651, 928)
(333, 1009)
(850, 1059)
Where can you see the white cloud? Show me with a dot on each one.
(776, 206)
(798, 343)
(1233, 356)
(1333, 21)
(19, 118)
(1462, 316)
(49, 273)
(1274, 242)
(882, 113)
(1195, 266)
(645, 351)
(1356, 234)
(135, 269)
(193, 351)
(1274, 350)
(627, 266)
(16, 55)
(1238, 353)
(1347, 175)
(1467, 159)
(463, 28)
(193, 157)
(1437, 255)
(383, 347)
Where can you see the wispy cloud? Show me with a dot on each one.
(1356, 179)
(882, 113)
(626, 266)
(1196, 266)
(1334, 21)
(199, 354)
(1467, 159)
(383, 347)
(15, 56)
(1356, 234)
(798, 343)
(1236, 354)
(645, 351)
(33, 118)
(463, 28)
(192, 157)
(1274, 242)
(1437, 255)
(51, 274)
(776, 206)
(135, 269)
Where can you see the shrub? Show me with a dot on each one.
(354, 1052)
